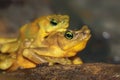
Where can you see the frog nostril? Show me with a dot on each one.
(46, 37)
(86, 31)
(83, 33)
(63, 21)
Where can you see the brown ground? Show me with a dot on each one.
(87, 71)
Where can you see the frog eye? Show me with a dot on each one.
(68, 35)
(53, 22)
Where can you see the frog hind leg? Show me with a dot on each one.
(21, 63)
(9, 47)
(7, 40)
(26, 59)
(76, 60)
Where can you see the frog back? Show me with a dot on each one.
(28, 31)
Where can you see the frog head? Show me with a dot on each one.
(53, 23)
(74, 41)
(73, 38)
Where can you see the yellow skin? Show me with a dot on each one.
(60, 47)
(31, 35)
(35, 32)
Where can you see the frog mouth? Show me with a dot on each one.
(83, 34)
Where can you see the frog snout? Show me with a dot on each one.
(86, 31)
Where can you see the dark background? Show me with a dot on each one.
(102, 17)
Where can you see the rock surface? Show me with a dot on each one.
(87, 71)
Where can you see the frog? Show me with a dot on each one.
(30, 34)
(61, 47)
(59, 43)
(35, 32)
(6, 61)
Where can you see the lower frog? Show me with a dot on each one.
(61, 48)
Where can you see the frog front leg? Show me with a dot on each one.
(76, 60)
(32, 56)
(56, 60)
(6, 61)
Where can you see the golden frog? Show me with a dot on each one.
(31, 35)
(60, 47)
(35, 32)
